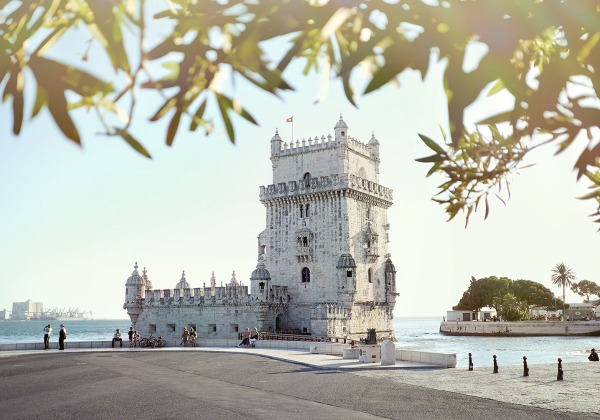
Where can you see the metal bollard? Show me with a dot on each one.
(495, 365)
(559, 377)
(525, 368)
(470, 362)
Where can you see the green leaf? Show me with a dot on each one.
(224, 107)
(198, 116)
(432, 145)
(498, 87)
(136, 145)
(496, 119)
(431, 159)
(169, 103)
(173, 126)
(41, 99)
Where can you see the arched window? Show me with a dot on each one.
(305, 275)
(301, 211)
(307, 179)
(370, 275)
(307, 212)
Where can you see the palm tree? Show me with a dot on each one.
(563, 276)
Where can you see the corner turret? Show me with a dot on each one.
(374, 149)
(135, 289)
(276, 143)
(341, 131)
(259, 281)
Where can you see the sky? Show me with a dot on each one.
(74, 221)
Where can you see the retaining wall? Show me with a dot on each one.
(336, 349)
(522, 328)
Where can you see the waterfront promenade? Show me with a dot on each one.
(230, 383)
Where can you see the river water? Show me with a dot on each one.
(412, 334)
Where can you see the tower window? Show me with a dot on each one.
(307, 179)
(348, 273)
(304, 241)
(370, 275)
(263, 249)
(305, 275)
(307, 212)
(261, 286)
(301, 211)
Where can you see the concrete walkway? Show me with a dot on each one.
(578, 394)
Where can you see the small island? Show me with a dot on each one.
(494, 306)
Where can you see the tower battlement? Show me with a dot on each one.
(325, 183)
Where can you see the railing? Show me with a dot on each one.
(296, 335)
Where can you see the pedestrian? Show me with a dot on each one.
(62, 336)
(193, 336)
(117, 337)
(136, 338)
(253, 337)
(184, 336)
(130, 335)
(246, 339)
(593, 357)
(47, 332)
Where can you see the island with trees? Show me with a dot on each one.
(506, 307)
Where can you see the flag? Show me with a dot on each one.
(291, 119)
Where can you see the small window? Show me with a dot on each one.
(263, 249)
(305, 330)
(348, 273)
(301, 211)
(261, 286)
(304, 241)
(152, 328)
(370, 275)
(235, 328)
(307, 179)
(212, 328)
(305, 275)
(307, 211)
(171, 327)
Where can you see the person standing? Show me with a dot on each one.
(130, 335)
(62, 336)
(184, 336)
(47, 332)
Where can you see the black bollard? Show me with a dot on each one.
(559, 377)
(495, 365)
(470, 362)
(525, 368)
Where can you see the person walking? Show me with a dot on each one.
(62, 336)
(130, 335)
(47, 332)
(184, 337)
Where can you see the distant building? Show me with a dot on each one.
(323, 264)
(4, 315)
(27, 310)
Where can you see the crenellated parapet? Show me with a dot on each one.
(323, 184)
(318, 144)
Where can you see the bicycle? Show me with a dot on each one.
(153, 342)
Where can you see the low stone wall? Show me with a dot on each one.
(440, 359)
(335, 349)
(522, 328)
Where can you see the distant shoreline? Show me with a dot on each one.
(521, 328)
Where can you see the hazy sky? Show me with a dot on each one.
(73, 221)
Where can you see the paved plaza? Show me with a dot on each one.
(275, 383)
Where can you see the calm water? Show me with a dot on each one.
(412, 334)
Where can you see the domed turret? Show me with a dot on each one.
(259, 281)
(233, 280)
(374, 148)
(183, 284)
(341, 130)
(346, 261)
(135, 290)
(276, 143)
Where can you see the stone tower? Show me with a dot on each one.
(326, 237)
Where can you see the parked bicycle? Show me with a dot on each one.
(153, 342)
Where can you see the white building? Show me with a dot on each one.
(323, 265)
